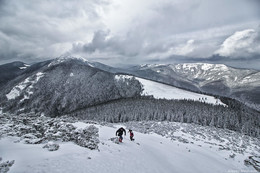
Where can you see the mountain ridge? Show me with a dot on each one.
(213, 79)
(61, 86)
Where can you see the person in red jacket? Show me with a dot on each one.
(131, 135)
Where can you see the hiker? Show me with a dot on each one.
(131, 135)
(120, 132)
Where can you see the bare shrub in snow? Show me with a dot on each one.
(35, 130)
(5, 166)
(87, 137)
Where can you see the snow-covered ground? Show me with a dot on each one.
(158, 147)
(163, 91)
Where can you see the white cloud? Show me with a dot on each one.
(183, 49)
(241, 44)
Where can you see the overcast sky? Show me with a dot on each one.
(126, 32)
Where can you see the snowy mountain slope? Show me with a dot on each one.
(203, 73)
(158, 147)
(163, 91)
(63, 85)
(206, 73)
(28, 83)
(219, 79)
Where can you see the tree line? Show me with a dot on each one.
(235, 116)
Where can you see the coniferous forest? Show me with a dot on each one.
(234, 116)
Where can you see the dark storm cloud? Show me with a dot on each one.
(30, 29)
(101, 43)
(173, 29)
(136, 31)
(133, 45)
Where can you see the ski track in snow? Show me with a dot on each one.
(149, 153)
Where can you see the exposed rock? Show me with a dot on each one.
(51, 146)
(253, 161)
(232, 155)
(115, 140)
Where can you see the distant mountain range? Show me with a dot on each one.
(67, 84)
(217, 79)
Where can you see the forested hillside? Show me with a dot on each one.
(235, 116)
(62, 87)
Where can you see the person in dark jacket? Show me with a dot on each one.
(120, 132)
